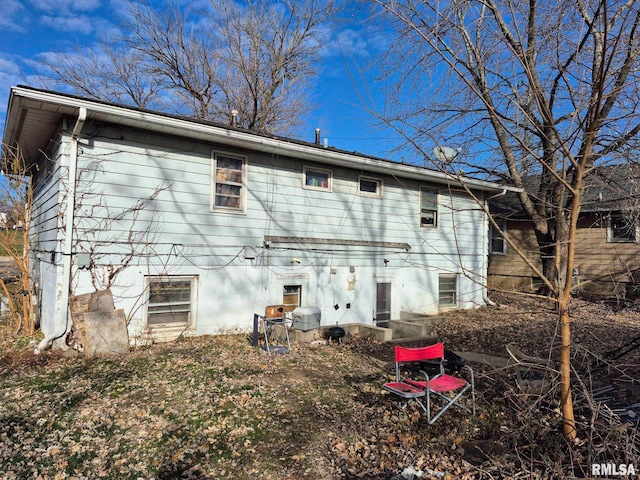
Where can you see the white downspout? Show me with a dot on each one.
(485, 296)
(68, 237)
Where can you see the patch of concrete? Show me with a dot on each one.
(106, 333)
(98, 328)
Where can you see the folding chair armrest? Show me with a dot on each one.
(426, 376)
(467, 367)
(423, 384)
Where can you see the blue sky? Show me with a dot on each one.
(29, 28)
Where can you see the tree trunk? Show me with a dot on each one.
(548, 251)
(566, 400)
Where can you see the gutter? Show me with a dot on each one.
(68, 241)
(167, 124)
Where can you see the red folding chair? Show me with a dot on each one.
(442, 386)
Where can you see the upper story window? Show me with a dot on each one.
(370, 187)
(229, 177)
(317, 179)
(621, 229)
(498, 245)
(428, 207)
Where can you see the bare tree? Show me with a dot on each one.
(269, 54)
(16, 194)
(256, 58)
(110, 71)
(534, 88)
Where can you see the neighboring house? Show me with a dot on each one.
(607, 258)
(196, 226)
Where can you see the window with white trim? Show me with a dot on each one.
(292, 297)
(171, 301)
(428, 207)
(369, 187)
(621, 229)
(317, 179)
(447, 291)
(229, 175)
(498, 244)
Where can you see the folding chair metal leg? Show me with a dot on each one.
(266, 336)
(450, 403)
(266, 324)
(286, 332)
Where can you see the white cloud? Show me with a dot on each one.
(8, 66)
(65, 7)
(86, 5)
(11, 74)
(12, 16)
(79, 24)
(352, 43)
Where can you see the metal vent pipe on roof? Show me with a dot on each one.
(234, 118)
(317, 136)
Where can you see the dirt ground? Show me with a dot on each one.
(215, 407)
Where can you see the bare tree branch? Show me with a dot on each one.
(550, 89)
(255, 57)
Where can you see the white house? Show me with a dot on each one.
(196, 226)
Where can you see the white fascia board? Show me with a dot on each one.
(181, 127)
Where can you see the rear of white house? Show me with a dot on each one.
(195, 226)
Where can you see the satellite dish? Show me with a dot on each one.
(445, 154)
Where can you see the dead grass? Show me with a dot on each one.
(214, 407)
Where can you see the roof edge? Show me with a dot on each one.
(215, 132)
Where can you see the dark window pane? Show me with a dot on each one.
(224, 189)
(229, 202)
(229, 163)
(428, 219)
(170, 291)
(368, 186)
(622, 229)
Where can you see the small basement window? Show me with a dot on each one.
(292, 297)
(447, 291)
(171, 301)
(317, 179)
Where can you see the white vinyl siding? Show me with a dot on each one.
(178, 234)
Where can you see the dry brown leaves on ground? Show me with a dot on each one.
(215, 407)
